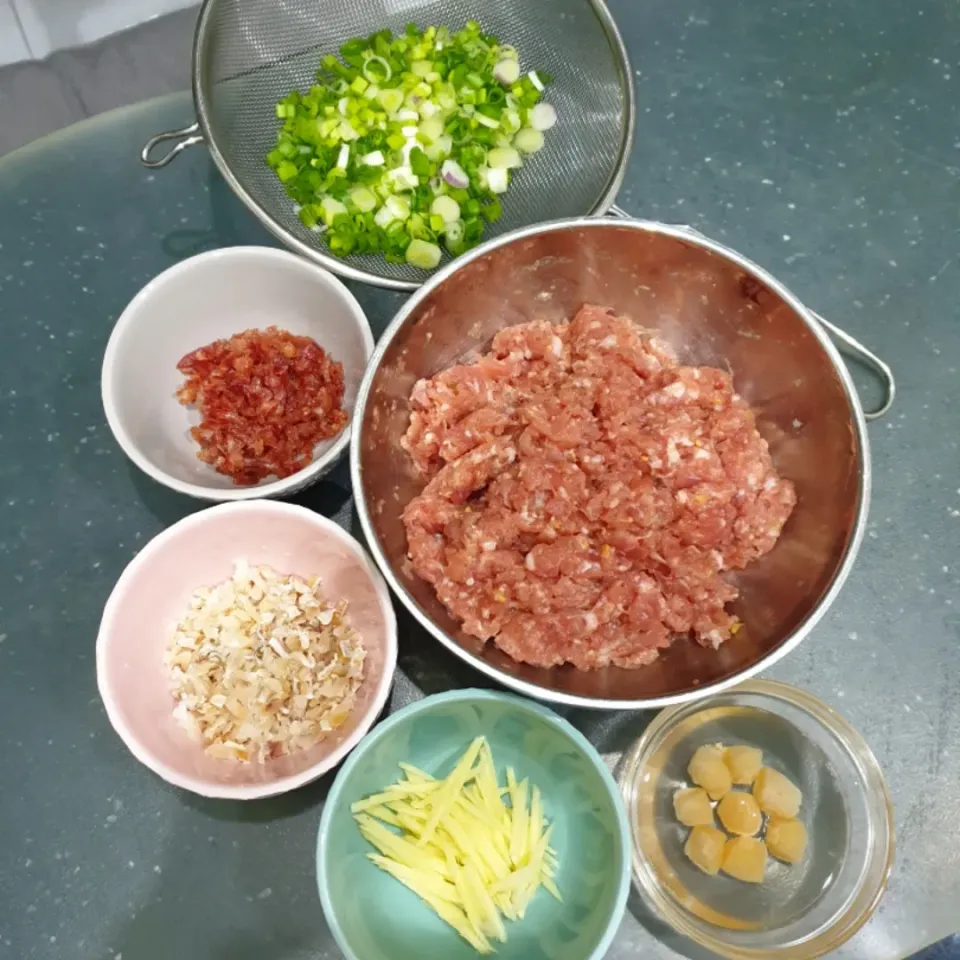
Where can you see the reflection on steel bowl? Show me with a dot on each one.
(713, 308)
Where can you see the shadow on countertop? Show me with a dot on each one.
(946, 949)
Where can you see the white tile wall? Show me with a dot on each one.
(35, 28)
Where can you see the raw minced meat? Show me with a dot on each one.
(585, 494)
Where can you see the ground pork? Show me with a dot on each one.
(585, 493)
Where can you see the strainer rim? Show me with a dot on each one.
(341, 266)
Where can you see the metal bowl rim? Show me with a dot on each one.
(534, 690)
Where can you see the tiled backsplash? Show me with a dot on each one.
(33, 29)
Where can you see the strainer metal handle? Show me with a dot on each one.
(849, 343)
(185, 137)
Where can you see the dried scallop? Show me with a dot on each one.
(776, 795)
(744, 763)
(786, 839)
(717, 771)
(708, 770)
(692, 807)
(745, 858)
(704, 848)
(739, 813)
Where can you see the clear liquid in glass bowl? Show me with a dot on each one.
(805, 909)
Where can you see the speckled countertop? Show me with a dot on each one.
(818, 138)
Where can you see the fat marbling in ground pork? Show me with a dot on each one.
(585, 493)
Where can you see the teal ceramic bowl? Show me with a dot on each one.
(374, 917)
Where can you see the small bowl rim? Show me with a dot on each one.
(126, 322)
(561, 724)
(855, 915)
(284, 784)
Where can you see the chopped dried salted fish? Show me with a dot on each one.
(262, 665)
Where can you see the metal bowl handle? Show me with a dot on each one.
(850, 343)
(868, 357)
(186, 137)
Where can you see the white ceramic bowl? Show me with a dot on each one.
(206, 298)
(152, 595)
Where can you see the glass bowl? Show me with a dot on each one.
(802, 910)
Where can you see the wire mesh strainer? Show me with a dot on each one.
(249, 53)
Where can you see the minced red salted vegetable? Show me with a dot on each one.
(586, 493)
(267, 398)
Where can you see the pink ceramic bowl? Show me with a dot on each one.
(152, 595)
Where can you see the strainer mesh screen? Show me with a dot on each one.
(250, 53)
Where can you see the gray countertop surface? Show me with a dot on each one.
(821, 139)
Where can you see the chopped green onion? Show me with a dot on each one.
(453, 237)
(384, 217)
(454, 174)
(446, 208)
(398, 207)
(529, 140)
(377, 70)
(431, 129)
(363, 199)
(391, 100)
(507, 71)
(504, 158)
(408, 141)
(498, 181)
(423, 254)
(331, 210)
(420, 163)
(543, 117)
(492, 211)
(287, 171)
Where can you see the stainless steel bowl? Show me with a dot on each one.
(715, 307)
